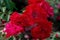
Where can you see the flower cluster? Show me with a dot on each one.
(33, 19)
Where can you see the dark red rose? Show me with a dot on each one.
(21, 19)
(42, 30)
(41, 4)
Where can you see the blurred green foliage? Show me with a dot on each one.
(6, 7)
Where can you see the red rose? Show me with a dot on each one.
(39, 6)
(14, 18)
(42, 30)
(21, 19)
(35, 11)
(12, 29)
(45, 5)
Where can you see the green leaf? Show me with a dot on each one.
(55, 10)
(9, 4)
(11, 38)
(56, 38)
(21, 35)
(6, 17)
(3, 9)
(0, 36)
(1, 15)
